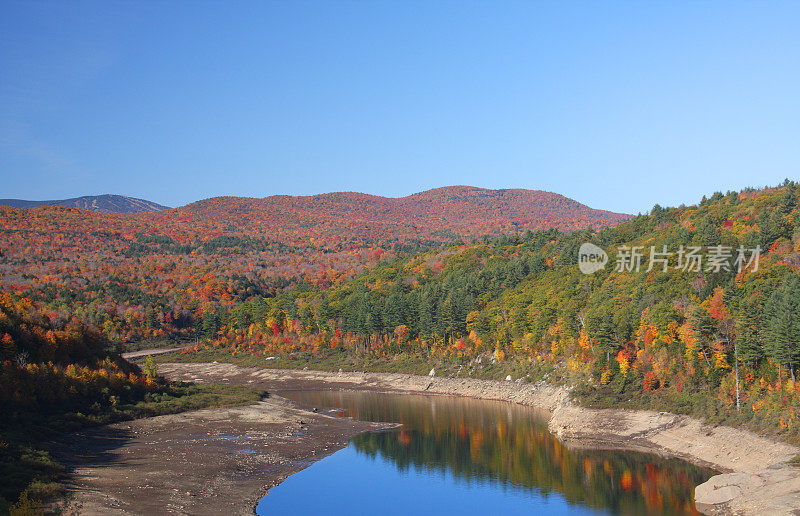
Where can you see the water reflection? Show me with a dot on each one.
(508, 446)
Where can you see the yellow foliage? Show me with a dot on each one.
(624, 364)
(578, 366)
(472, 321)
(720, 356)
(661, 364)
(672, 331)
(583, 341)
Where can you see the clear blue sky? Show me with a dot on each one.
(617, 104)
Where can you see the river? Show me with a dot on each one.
(463, 456)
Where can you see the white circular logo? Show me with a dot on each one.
(591, 258)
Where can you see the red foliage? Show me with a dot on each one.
(651, 382)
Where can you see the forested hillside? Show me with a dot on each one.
(176, 273)
(673, 334)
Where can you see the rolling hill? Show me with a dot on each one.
(107, 203)
(147, 275)
(441, 214)
(438, 214)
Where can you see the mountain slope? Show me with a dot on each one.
(107, 203)
(173, 272)
(440, 214)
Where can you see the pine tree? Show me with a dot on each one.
(606, 342)
(427, 304)
(445, 318)
(782, 326)
(394, 313)
(703, 329)
(748, 332)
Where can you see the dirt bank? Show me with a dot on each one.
(133, 355)
(757, 479)
(215, 461)
(539, 395)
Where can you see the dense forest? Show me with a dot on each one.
(175, 273)
(710, 327)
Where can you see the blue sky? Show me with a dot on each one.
(619, 105)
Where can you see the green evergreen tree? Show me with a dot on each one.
(703, 329)
(748, 332)
(782, 325)
(606, 341)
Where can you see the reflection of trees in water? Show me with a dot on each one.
(508, 444)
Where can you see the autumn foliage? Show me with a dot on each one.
(365, 276)
(637, 336)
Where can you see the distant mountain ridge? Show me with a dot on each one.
(107, 203)
(440, 213)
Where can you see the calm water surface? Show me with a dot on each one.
(462, 456)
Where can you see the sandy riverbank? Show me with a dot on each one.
(215, 461)
(756, 479)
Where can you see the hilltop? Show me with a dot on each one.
(332, 220)
(107, 203)
(440, 214)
